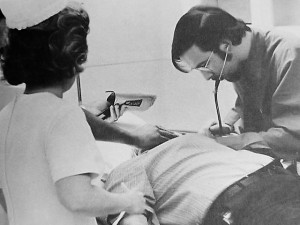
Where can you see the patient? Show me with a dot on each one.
(183, 179)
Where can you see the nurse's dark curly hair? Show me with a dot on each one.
(49, 52)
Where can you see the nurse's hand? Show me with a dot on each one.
(99, 107)
(116, 111)
(136, 203)
(149, 136)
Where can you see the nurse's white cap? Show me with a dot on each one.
(21, 14)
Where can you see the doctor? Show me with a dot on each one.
(264, 69)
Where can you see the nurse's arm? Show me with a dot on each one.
(145, 137)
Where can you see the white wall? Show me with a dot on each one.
(286, 12)
(130, 47)
(269, 13)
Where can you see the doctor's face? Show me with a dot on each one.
(209, 64)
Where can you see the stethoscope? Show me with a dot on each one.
(79, 96)
(217, 83)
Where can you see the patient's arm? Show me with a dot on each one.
(145, 137)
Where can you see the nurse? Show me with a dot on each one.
(50, 166)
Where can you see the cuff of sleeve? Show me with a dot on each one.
(246, 141)
(252, 140)
(232, 116)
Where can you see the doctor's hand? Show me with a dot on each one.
(214, 129)
(149, 136)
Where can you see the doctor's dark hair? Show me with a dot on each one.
(205, 27)
(49, 52)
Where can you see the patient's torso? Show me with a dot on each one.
(185, 175)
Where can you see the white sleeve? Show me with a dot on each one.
(71, 148)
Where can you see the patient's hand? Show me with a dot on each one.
(149, 136)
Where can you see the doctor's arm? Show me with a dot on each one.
(283, 138)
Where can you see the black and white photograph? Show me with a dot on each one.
(150, 112)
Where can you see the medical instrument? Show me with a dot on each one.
(79, 97)
(110, 100)
(217, 83)
(132, 101)
(217, 107)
